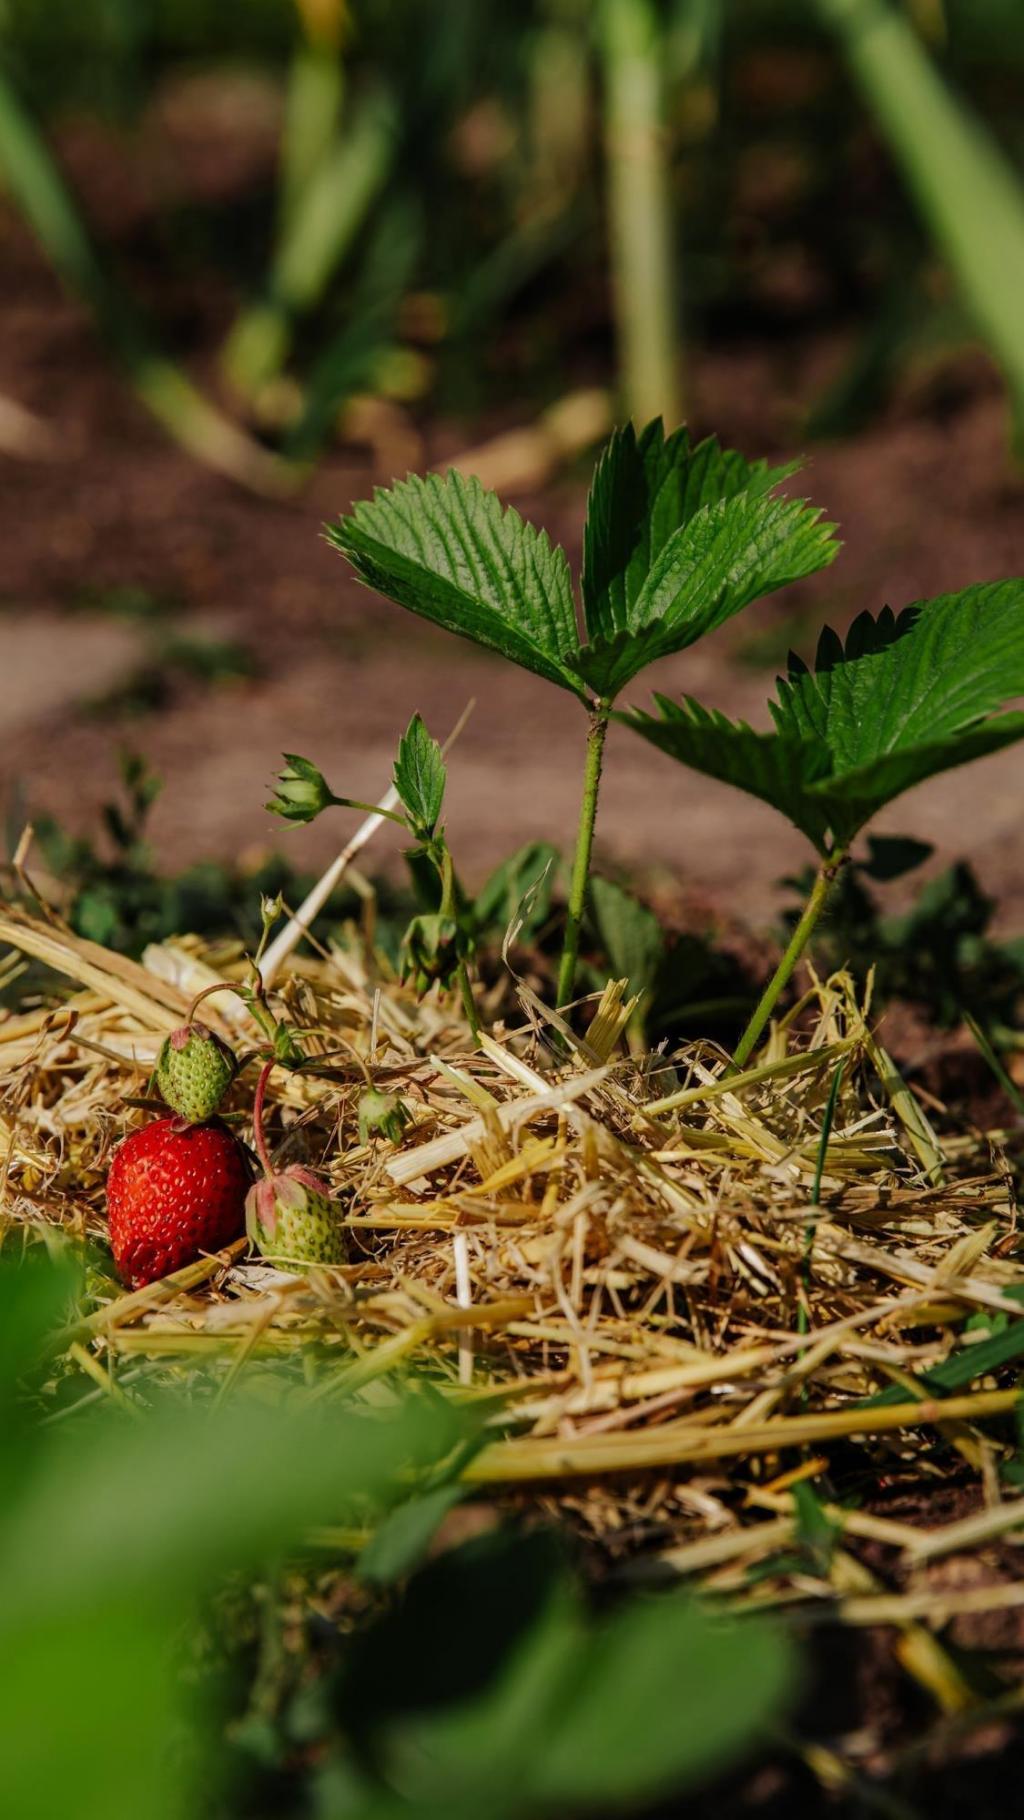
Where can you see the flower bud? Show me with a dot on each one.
(302, 791)
(383, 1113)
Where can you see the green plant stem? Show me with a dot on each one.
(322, 228)
(965, 186)
(809, 1229)
(257, 1119)
(36, 185)
(468, 1002)
(797, 943)
(581, 861)
(449, 908)
(312, 110)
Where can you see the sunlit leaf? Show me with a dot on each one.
(449, 551)
(900, 701)
(420, 777)
(729, 554)
(677, 539)
(646, 488)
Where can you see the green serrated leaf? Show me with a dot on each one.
(678, 538)
(448, 550)
(901, 701)
(852, 798)
(730, 553)
(420, 778)
(646, 487)
(780, 770)
(906, 682)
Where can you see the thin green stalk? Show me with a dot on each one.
(581, 861)
(826, 1133)
(641, 227)
(257, 1119)
(797, 943)
(449, 908)
(468, 1002)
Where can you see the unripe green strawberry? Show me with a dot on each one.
(292, 1221)
(194, 1071)
(383, 1112)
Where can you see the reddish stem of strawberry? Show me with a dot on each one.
(207, 992)
(257, 1119)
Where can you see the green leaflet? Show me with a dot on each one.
(730, 553)
(677, 539)
(855, 796)
(448, 550)
(645, 489)
(904, 699)
(420, 777)
(559, 1711)
(780, 769)
(913, 679)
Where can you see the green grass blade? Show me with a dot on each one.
(966, 189)
(642, 227)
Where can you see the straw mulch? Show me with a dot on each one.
(621, 1260)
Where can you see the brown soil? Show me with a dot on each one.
(927, 500)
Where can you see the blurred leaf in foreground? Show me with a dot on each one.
(484, 1684)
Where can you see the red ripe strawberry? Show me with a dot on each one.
(172, 1193)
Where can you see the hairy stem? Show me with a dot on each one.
(581, 861)
(257, 1119)
(797, 943)
(449, 908)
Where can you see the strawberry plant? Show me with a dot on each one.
(904, 698)
(679, 537)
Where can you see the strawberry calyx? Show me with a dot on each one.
(285, 1192)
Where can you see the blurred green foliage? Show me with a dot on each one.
(167, 1643)
(441, 186)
